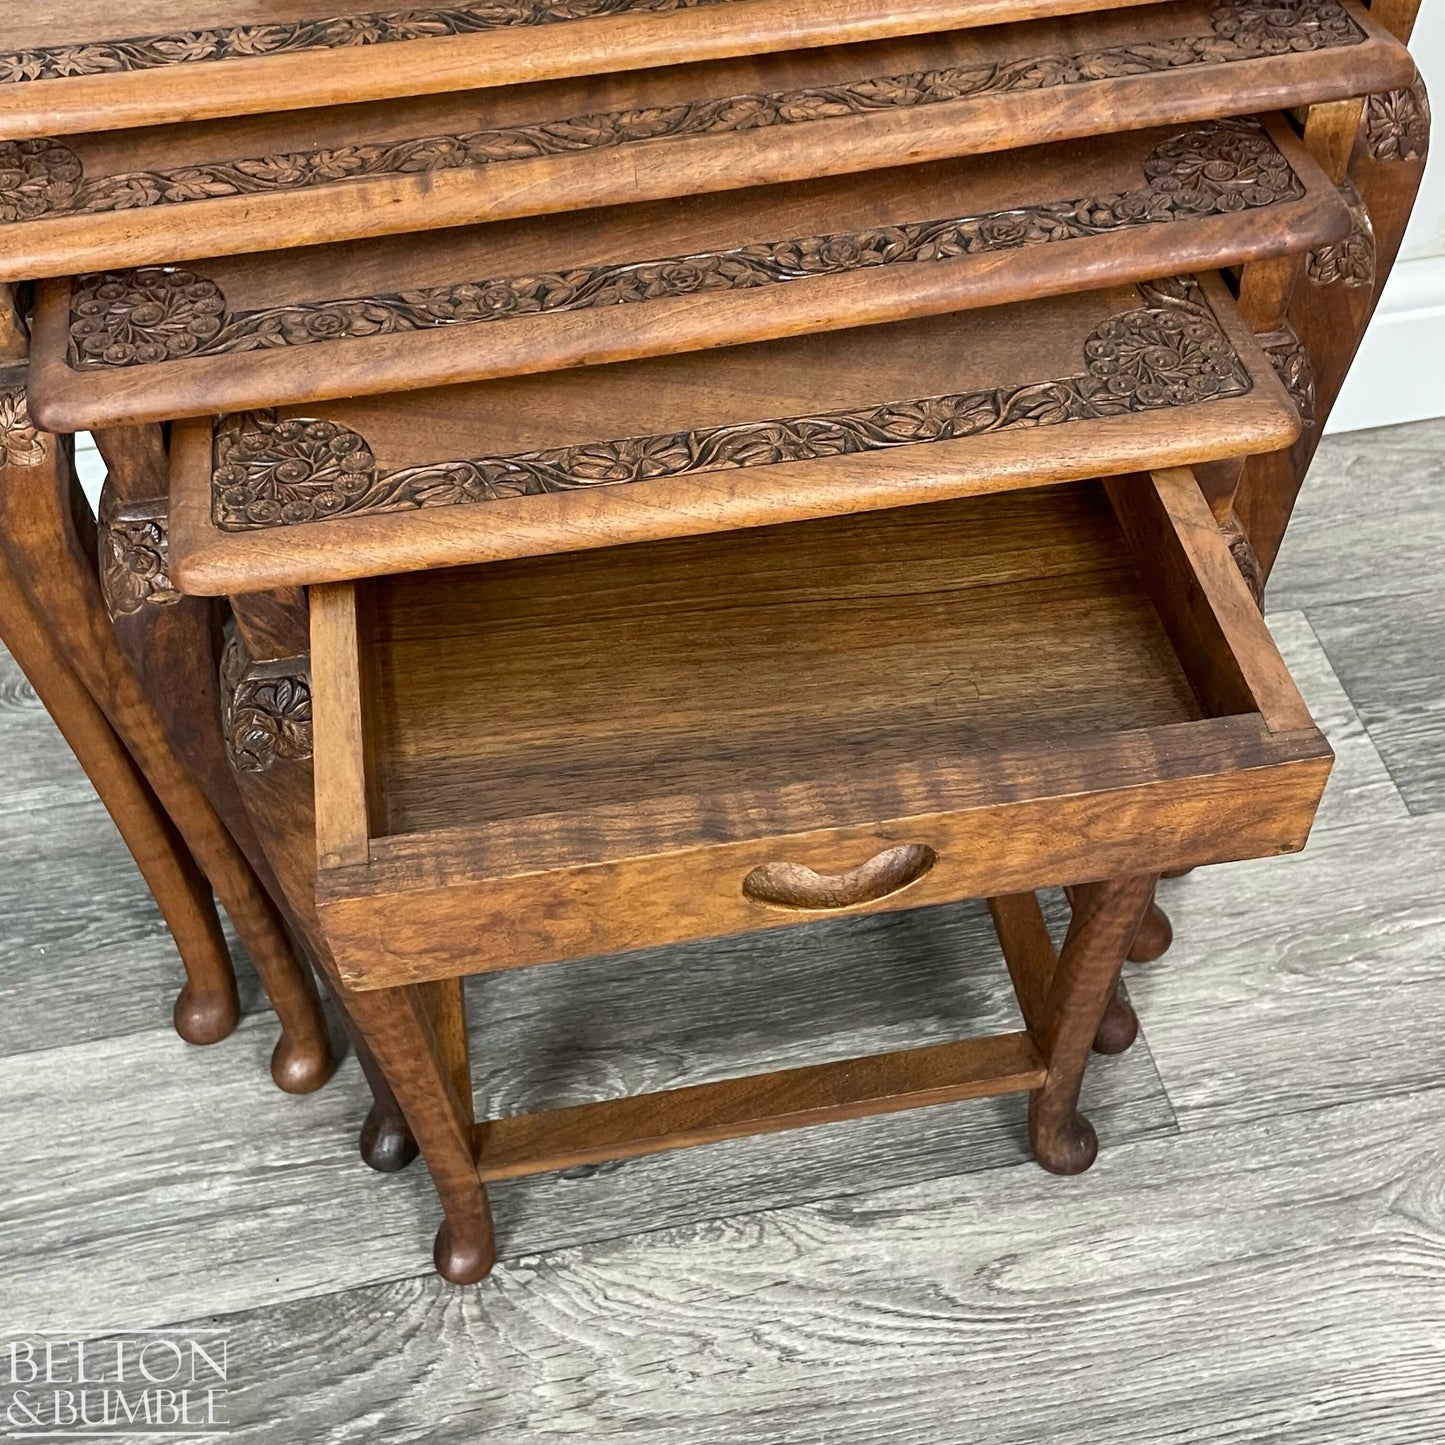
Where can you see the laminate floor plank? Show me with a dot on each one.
(1257, 1256)
(84, 952)
(1360, 788)
(151, 1182)
(1263, 1282)
(1301, 982)
(1389, 653)
(1370, 520)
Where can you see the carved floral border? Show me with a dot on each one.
(156, 314)
(134, 555)
(22, 444)
(1351, 261)
(245, 42)
(266, 708)
(45, 177)
(1396, 123)
(1170, 352)
(1290, 359)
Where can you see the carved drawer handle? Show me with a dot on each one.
(791, 885)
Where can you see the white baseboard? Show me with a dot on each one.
(1399, 373)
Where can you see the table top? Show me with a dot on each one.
(76, 65)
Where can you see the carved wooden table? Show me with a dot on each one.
(715, 474)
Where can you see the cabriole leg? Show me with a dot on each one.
(1105, 919)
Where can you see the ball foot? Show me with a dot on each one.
(1155, 935)
(464, 1260)
(1118, 1029)
(205, 1018)
(1062, 1145)
(386, 1142)
(298, 1068)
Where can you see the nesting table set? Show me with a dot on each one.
(590, 474)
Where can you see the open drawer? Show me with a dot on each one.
(550, 758)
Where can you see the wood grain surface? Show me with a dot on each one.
(1387, 658)
(1251, 1282)
(1274, 1272)
(715, 441)
(68, 66)
(446, 306)
(225, 1172)
(115, 197)
(660, 721)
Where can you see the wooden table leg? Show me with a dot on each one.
(401, 1025)
(268, 746)
(207, 1008)
(42, 517)
(1106, 918)
(1154, 936)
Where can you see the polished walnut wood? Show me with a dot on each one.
(172, 643)
(207, 1008)
(300, 326)
(44, 524)
(1103, 381)
(581, 755)
(521, 1144)
(161, 194)
(419, 1034)
(1379, 153)
(583, 703)
(399, 1028)
(69, 65)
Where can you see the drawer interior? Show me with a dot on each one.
(756, 659)
(576, 755)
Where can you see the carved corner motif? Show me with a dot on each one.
(1242, 550)
(1396, 124)
(1351, 261)
(266, 709)
(22, 444)
(37, 177)
(134, 555)
(1291, 362)
(133, 318)
(1239, 30)
(1169, 352)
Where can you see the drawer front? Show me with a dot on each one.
(443, 927)
(1108, 767)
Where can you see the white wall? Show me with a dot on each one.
(1399, 374)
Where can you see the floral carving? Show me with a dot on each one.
(1397, 123)
(1291, 361)
(128, 318)
(36, 177)
(1293, 25)
(1242, 550)
(1168, 353)
(134, 555)
(187, 47)
(21, 444)
(1276, 27)
(156, 314)
(293, 471)
(267, 708)
(1351, 261)
(1158, 356)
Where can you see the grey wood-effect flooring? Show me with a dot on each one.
(1259, 1254)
